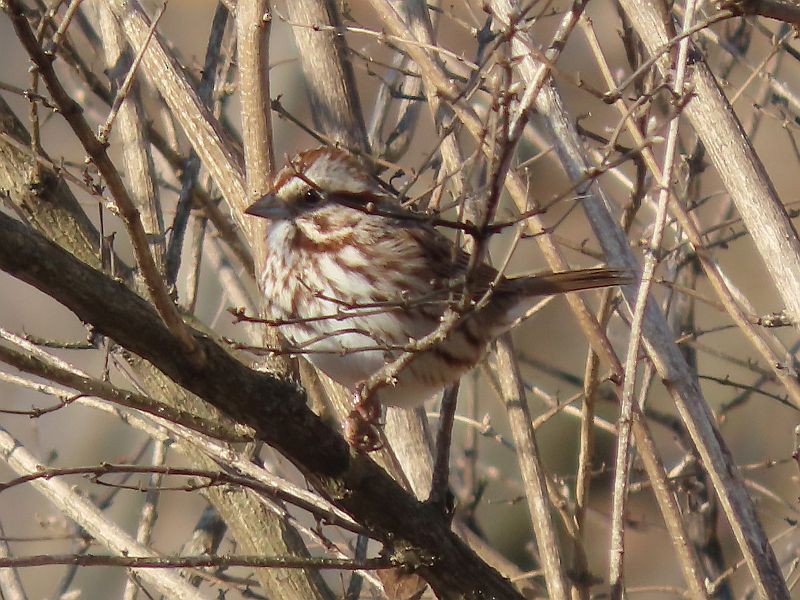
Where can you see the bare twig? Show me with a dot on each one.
(138, 160)
(742, 173)
(10, 583)
(623, 458)
(97, 152)
(191, 168)
(334, 100)
(441, 468)
(124, 89)
(148, 514)
(200, 126)
(533, 475)
(102, 389)
(221, 562)
(83, 512)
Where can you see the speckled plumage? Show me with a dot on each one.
(354, 278)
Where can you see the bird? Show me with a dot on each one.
(353, 280)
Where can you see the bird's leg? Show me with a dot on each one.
(362, 427)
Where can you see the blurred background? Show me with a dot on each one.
(759, 428)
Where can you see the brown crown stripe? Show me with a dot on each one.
(302, 162)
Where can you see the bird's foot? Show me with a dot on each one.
(363, 427)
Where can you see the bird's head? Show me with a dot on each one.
(317, 183)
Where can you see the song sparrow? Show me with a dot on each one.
(352, 278)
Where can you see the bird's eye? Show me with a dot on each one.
(312, 198)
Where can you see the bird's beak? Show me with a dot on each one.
(269, 207)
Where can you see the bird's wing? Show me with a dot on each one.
(451, 264)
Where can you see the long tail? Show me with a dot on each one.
(547, 284)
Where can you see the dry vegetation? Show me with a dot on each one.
(637, 441)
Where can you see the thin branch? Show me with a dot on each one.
(137, 157)
(280, 416)
(10, 582)
(123, 90)
(219, 562)
(333, 96)
(199, 125)
(148, 513)
(72, 112)
(441, 468)
(533, 474)
(623, 457)
(107, 391)
(191, 167)
(87, 515)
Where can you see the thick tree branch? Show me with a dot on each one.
(194, 562)
(95, 387)
(97, 151)
(782, 10)
(275, 409)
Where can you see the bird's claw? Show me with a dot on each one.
(363, 427)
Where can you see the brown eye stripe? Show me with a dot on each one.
(354, 264)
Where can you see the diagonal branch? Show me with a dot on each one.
(734, 158)
(91, 518)
(97, 151)
(275, 409)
